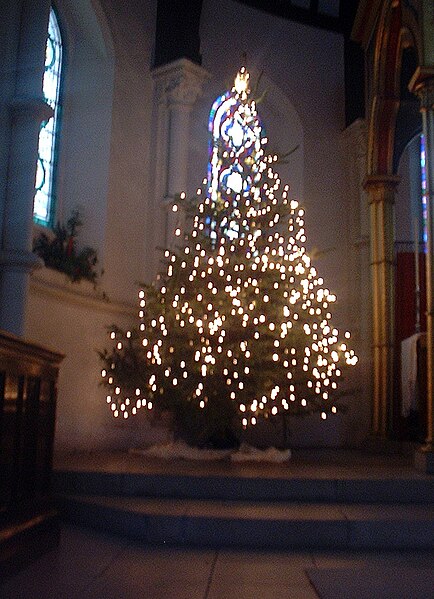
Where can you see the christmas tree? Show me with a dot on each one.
(238, 326)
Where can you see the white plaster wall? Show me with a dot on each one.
(83, 160)
(70, 317)
(305, 65)
(103, 166)
(358, 283)
(125, 262)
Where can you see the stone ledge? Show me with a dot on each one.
(47, 281)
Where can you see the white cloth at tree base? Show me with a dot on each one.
(245, 453)
(409, 383)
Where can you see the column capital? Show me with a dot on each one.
(422, 85)
(381, 187)
(179, 82)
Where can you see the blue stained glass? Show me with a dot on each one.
(424, 188)
(43, 206)
(236, 142)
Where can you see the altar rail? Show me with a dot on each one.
(28, 393)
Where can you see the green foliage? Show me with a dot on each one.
(59, 251)
(237, 329)
(133, 364)
(215, 426)
(129, 362)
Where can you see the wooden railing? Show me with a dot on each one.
(28, 392)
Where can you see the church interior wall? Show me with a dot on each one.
(105, 167)
(77, 323)
(131, 146)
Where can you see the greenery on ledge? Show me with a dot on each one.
(59, 251)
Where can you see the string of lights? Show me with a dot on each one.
(239, 312)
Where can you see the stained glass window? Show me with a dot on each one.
(424, 190)
(236, 144)
(44, 202)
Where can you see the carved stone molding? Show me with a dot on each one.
(381, 188)
(426, 95)
(422, 85)
(180, 82)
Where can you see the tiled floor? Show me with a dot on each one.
(304, 464)
(91, 565)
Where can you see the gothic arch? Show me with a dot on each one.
(385, 98)
(397, 35)
(391, 56)
(87, 18)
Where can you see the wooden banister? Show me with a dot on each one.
(28, 394)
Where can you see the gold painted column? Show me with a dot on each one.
(422, 84)
(381, 195)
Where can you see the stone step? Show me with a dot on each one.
(337, 489)
(261, 525)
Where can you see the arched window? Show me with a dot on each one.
(45, 186)
(235, 146)
(424, 190)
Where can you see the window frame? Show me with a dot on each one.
(55, 150)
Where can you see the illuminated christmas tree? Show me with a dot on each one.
(238, 326)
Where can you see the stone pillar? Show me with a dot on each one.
(422, 84)
(28, 108)
(359, 277)
(178, 85)
(355, 138)
(381, 195)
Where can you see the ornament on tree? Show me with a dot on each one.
(239, 323)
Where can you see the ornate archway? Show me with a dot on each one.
(384, 45)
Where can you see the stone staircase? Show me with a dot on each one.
(350, 503)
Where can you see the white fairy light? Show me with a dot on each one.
(240, 276)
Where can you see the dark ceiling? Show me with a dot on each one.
(178, 22)
(178, 35)
(334, 15)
